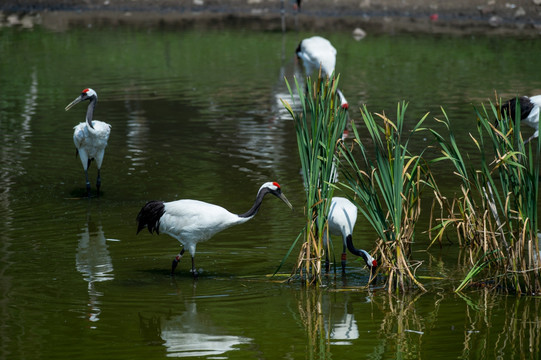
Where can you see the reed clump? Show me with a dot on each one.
(496, 214)
(319, 126)
(386, 188)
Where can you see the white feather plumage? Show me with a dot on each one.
(90, 137)
(317, 52)
(341, 219)
(194, 221)
(91, 143)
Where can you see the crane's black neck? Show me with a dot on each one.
(354, 251)
(258, 200)
(90, 111)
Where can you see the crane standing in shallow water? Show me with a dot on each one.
(317, 52)
(192, 221)
(342, 217)
(90, 137)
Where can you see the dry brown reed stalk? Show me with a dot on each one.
(496, 217)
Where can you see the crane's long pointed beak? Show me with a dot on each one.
(76, 101)
(284, 199)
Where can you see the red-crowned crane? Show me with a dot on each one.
(529, 112)
(342, 217)
(90, 137)
(192, 221)
(317, 52)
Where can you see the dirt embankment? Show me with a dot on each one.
(520, 17)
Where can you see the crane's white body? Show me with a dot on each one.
(341, 220)
(317, 52)
(193, 221)
(91, 143)
(342, 217)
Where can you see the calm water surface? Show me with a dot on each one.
(198, 115)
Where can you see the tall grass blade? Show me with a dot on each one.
(386, 188)
(318, 128)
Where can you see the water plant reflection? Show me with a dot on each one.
(312, 318)
(516, 336)
(412, 325)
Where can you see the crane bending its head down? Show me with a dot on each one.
(193, 221)
(342, 217)
(90, 137)
(317, 52)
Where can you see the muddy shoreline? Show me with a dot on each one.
(461, 17)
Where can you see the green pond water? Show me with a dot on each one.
(197, 114)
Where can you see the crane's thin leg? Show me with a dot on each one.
(176, 260)
(327, 262)
(344, 256)
(98, 182)
(344, 261)
(326, 248)
(85, 161)
(194, 272)
(87, 183)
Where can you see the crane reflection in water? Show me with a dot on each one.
(94, 263)
(189, 334)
